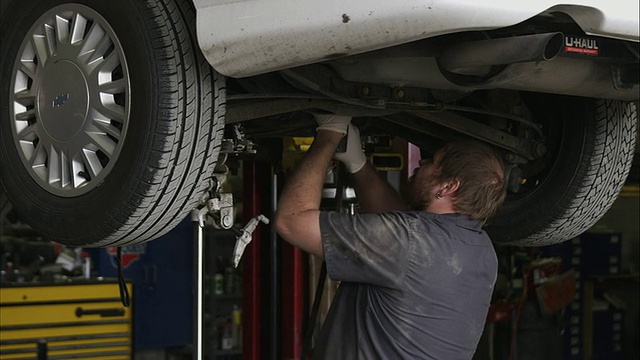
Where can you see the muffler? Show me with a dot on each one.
(477, 57)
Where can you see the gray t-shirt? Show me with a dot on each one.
(415, 285)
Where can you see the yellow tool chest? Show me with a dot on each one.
(78, 320)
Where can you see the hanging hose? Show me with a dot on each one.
(314, 312)
(124, 292)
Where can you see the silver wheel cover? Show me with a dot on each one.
(69, 100)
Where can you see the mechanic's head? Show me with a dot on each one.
(471, 174)
(480, 172)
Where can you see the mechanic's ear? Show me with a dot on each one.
(450, 187)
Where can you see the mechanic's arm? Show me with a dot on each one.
(375, 194)
(298, 217)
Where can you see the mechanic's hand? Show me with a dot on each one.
(333, 122)
(353, 158)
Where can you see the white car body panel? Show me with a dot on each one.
(248, 37)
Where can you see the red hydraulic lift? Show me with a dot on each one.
(274, 331)
(293, 301)
(251, 299)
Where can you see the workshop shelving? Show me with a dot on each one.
(223, 297)
(602, 327)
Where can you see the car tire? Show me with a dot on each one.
(5, 206)
(111, 119)
(591, 145)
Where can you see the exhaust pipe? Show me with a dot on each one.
(477, 57)
(515, 63)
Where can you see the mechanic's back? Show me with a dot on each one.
(424, 298)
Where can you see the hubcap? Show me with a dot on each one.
(70, 100)
(63, 100)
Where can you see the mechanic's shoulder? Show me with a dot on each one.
(404, 215)
(414, 219)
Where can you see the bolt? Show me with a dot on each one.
(226, 222)
(379, 103)
(539, 149)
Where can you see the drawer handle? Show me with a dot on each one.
(102, 312)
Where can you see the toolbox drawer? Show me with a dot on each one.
(75, 320)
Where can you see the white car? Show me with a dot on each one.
(113, 113)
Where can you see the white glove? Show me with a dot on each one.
(353, 158)
(332, 122)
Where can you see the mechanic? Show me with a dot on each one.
(416, 277)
